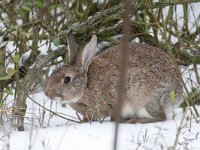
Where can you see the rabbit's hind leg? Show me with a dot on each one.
(146, 120)
(145, 116)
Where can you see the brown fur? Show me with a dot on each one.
(151, 76)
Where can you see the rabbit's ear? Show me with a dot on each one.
(72, 48)
(89, 52)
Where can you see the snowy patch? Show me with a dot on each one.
(61, 134)
(24, 58)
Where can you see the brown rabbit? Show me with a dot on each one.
(89, 83)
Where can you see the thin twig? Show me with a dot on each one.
(56, 114)
(123, 69)
(179, 131)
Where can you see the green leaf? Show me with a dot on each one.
(39, 4)
(10, 73)
(8, 90)
(6, 77)
(26, 8)
(172, 96)
(16, 27)
(56, 41)
(30, 30)
(16, 58)
(53, 6)
(1, 104)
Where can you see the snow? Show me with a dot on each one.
(189, 76)
(24, 58)
(59, 134)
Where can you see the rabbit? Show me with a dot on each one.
(89, 83)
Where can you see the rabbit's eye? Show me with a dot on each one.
(67, 80)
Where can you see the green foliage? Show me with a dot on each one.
(56, 41)
(1, 60)
(1, 104)
(26, 7)
(172, 96)
(193, 98)
(10, 73)
(39, 3)
(16, 58)
(8, 91)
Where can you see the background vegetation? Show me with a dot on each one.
(29, 24)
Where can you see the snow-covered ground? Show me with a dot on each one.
(59, 134)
